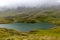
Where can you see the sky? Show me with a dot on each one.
(26, 2)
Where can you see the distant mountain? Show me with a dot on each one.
(6, 11)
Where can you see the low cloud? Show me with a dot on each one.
(27, 2)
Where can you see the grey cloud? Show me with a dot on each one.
(32, 2)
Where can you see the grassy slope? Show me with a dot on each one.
(33, 16)
(36, 16)
(51, 34)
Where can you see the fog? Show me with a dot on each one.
(30, 3)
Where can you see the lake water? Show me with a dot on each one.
(27, 26)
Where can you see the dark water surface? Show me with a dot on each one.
(27, 26)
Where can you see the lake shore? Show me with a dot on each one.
(50, 34)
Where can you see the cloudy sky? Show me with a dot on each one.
(26, 2)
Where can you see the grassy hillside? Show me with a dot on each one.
(32, 15)
(50, 34)
(49, 15)
(10, 34)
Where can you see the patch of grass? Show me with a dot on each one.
(50, 34)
